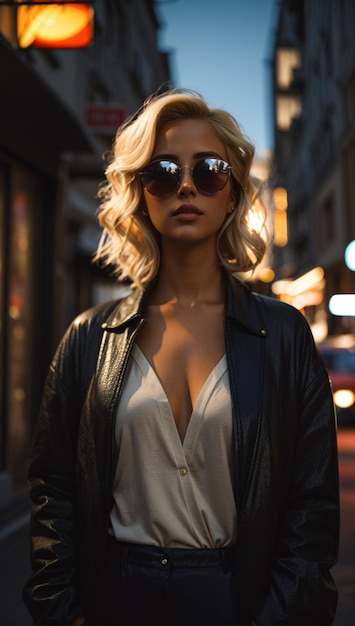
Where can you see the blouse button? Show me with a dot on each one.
(184, 471)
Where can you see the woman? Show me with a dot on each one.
(185, 467)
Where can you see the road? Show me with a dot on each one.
(344, 571)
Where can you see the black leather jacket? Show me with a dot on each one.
(285, 473)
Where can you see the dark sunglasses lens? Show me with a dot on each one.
(161, 179)
(211, 175)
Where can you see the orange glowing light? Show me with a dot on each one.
(55, 25)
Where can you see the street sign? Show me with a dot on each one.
(104, 116)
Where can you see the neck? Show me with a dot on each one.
(189, 280)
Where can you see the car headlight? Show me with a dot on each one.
(344, 398)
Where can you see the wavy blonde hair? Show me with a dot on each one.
(129, 243)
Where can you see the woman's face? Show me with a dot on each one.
(189, 215)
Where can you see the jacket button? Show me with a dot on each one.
(263, 331)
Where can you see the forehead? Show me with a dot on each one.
(188, 136)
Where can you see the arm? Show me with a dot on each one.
(301, 590)
(51, 593)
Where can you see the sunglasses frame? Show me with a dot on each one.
(227, 171)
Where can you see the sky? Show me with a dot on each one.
(222, 49)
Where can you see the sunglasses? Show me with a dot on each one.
(164, 177)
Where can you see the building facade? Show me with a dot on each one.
(314, 130)
(59, 109)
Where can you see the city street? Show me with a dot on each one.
(14, 556)
(101, 233)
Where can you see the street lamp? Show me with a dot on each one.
(350, 255)
(342, 304)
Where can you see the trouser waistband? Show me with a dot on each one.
(141, 554)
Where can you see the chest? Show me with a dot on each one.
(183, 345)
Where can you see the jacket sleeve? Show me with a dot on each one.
(51, 593)
(301, 589)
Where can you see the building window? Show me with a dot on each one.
(288, 107)
(2, 317)
(287, 60)
(349, 169)
(350, 101)
(19, 323)
(327, 223)
(288, 101)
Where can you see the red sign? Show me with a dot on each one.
(105, 116)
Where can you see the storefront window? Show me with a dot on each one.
(2, 311)
(19, 304)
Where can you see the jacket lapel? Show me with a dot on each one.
(245, 335)
(121, 329)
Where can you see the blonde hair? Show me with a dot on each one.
(129, 243)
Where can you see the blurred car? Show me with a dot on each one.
(339, 356)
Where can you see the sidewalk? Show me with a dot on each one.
(14, 566)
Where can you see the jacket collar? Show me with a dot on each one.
(242, 306)
(129, 308)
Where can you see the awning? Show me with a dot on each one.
(32, 115)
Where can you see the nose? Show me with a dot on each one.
(186, 183)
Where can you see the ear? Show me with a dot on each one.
(234, 197)
(143, 207)
(232, 203)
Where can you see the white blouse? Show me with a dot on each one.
(168, 493)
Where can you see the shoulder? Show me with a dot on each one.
(81, 342)
(289, 330)
(283, 319)
(85, 331)
(274, 307)
(257, 311)
(97, 315)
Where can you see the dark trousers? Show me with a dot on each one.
(151, 586)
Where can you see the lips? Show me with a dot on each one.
(187, 209)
